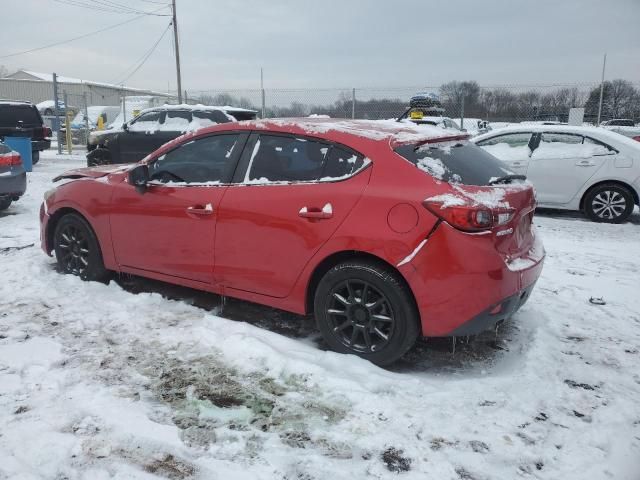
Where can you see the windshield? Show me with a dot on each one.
(455, 162)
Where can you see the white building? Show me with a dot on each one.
(36, 87)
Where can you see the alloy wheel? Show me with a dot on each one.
(360, 316)
(74, 246)
(608, 204)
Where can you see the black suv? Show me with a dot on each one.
(22, 119)
(153, 128)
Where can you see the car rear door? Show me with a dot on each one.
(170, 228)
(514, 149)
(291, 196)
(562, 164)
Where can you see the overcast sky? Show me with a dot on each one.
(333, 43)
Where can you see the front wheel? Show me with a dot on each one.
(98, 156)
(609, 203)
(364, 308)
(5, 202)
(77, 249)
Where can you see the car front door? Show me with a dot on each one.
(514, 149)
(170, 228)
(291, 196)
(562, 164)
(139, 137)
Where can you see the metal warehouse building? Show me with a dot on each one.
(37, 87)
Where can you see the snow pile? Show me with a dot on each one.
(97, 381)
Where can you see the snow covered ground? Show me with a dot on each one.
(120, 381)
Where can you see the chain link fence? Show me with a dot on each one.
(84, 108)
(460, 101)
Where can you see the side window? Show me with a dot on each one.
(209, 117)
(341, 164)
(285, 159)
(512, 140)
(147, 122)
(562, 145)
(598, 148)
(206, 160)
(176, 121)
(510, 147)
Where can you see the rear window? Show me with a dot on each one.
(455, 162)
(10, 115)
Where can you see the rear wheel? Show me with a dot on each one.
(77, 249)
(610, 203)
(364, 308)
(5, 202)
(35, 157)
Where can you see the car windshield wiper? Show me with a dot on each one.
(506, 179)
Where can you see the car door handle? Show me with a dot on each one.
(516, 164)
(585, 163)
(315, 213)
(200, 210)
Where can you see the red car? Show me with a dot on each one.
(384, 230)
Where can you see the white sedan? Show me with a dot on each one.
(575, 168)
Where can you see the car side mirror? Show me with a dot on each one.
(125, 127)
(139, 177)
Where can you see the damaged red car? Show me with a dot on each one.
(385, 231)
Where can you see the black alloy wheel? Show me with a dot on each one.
(364, 307)
(77, 249)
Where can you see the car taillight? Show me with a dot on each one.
(12, 159)
(469, 218)
(46, 131)
(637, 138)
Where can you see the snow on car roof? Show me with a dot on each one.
(596, 132)
(396, 132)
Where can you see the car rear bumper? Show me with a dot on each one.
(39, 145)
(458, 279)
(13, 182)
(494, 315)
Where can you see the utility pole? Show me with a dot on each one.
(604, 64)
(262, 93)
(175, 42)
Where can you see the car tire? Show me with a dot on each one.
(48, 111)
(35, 157)
(609, 203)
(364, 308)
(77, 249)
(98, 156)
(5, 202)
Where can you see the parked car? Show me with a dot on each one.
(619, 122)
(575, 168)
(79, 124)
(22, 119)
(13, 177)
(384, 230)
(47, 107)
(151, 129)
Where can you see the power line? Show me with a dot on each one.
(72, 39)
(109, 7)
(145, 57)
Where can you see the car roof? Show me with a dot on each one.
(396, 133)
(596, 132)
(14, 102)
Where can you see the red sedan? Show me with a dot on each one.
(385, 231)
